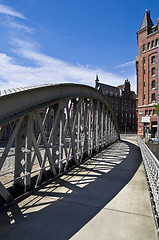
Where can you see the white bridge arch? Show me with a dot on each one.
(47, 129)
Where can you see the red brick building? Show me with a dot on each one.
(123, 102)
(147, 76)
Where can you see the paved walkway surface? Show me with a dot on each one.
(104, 198)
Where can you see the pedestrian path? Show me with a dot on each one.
(106, 198)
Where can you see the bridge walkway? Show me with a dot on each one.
(106, 197)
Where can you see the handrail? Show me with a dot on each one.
(151, 165)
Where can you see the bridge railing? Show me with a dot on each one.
(151, 164)
(46, 130)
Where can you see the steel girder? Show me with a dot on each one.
(52, 128)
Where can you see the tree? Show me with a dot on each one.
(157, 108)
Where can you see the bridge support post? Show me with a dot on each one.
(102, 126)
(97, 126)
(106, 127)
(19, 143)
(89, 129)
(86, 127)
(28, 152)
(109, 130)
(61, 140)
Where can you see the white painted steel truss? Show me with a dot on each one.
(52, 138)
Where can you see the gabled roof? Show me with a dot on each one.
(105, 88)
(146, 22)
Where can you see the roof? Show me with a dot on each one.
(105, 88)
(146, 22)
(121, 86)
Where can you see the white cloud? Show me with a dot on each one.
(42, 68)
(126, 64)
(10, 11)
(47, 69)
(20, 27)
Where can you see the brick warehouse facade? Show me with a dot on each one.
(123, 102)
(147, 76)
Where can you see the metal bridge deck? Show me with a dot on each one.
(104, 198)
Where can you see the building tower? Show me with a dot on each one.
(147, 76)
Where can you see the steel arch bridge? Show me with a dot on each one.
(46, 130)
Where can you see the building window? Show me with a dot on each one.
(152, 44)
(153, 97)
(143, 48)
(150, 112)
(148, 46)
(144, 71)
(154, 112)
(153, 84)
(146, 112)
(144, 60)
(153, 71)
(144, 84)
(156, 42)
(153, 59)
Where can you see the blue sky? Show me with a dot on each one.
(56, 41)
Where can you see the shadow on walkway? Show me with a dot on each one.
(62, 208)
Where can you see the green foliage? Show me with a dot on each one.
(157, 108)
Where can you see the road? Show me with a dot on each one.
(106, 198)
